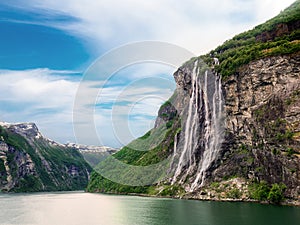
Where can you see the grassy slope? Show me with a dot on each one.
(245, 47)
(146, 150)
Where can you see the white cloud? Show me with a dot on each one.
(269, 8)
(198, 25)
(42, 96)
(40, 87)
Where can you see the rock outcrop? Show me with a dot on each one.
(280, 30)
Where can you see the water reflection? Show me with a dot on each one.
(78, 208)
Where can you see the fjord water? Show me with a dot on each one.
(79, 208)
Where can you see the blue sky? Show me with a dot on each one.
(45, 47)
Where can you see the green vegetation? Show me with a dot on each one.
(3, 174)
(276, 193)
(234, 193)
(94, 158)
(259, 169)
(29, 183)
(263, 192)
(275, 151)
(100, 184)
(169, 124)
(215, 185)
(276, 129)
(148, 149)
(2, 167)
(167, 111)
(166, 104)
(285, 135)
(243, 149)
(259, 191)
(248, 46)
(172, 190)
(146, 135)
(290, 152)
(152, 148)
(225, 189)
(58, 158)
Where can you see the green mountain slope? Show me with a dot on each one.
(144, 151)
(277, 36)
(30, 162)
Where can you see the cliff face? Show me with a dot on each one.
(263, 123)
(30, 162)
(260, 140)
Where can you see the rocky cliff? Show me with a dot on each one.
(262, 123)
(29, 162)
(259, 142)
(231, 129)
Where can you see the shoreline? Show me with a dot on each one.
(287, 202)
(291, 203)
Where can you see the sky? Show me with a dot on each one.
(47, 46)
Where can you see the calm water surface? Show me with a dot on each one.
(78, 208)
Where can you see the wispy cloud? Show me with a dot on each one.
(41, 95)
(197, 25)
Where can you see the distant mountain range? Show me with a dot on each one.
(93, 154)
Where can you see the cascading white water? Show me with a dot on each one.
(203, 129)
(216, 61)
(213, 132)
(175, 149)
(186, 155)
(175, 144)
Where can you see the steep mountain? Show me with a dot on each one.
(29, 162)
(232, 128)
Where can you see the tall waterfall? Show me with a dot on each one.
(203, 129)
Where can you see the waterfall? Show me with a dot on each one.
(216, 61)
(203, 129)
(175, 150)
(186, 155)
(213, 133)
(175, 144)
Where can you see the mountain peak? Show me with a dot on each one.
(26, 129)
